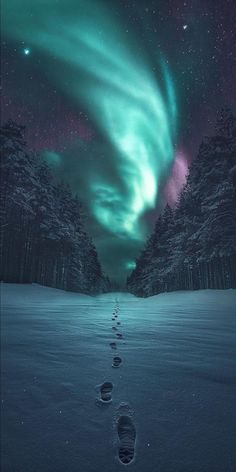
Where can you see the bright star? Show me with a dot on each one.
(26, 51)
(185, 27)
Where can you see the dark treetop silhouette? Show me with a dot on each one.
(43, 239)
(194, 246)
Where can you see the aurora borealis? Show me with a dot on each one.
(125, 100)
(125, 155)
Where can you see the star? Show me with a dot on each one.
(26, 51)
(185, 27)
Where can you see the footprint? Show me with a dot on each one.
(106, 389)
(116, 361)
(127, 436)
(119, 335)
(113, 319)
(113, 345)
(114, 328)
(118, 322)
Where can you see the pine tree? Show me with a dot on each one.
(195, 246)
(19, 189)
(43, 238)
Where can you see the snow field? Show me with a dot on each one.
(168, 406)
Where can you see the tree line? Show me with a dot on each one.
(193, 246)
(43, 239)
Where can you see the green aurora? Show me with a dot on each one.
(96, 64)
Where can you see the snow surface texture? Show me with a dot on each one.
(168, 406)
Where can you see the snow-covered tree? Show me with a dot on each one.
(43, 238)
(195, 246)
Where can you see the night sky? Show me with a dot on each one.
(117, 96)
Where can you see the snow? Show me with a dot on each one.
(176, 381)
